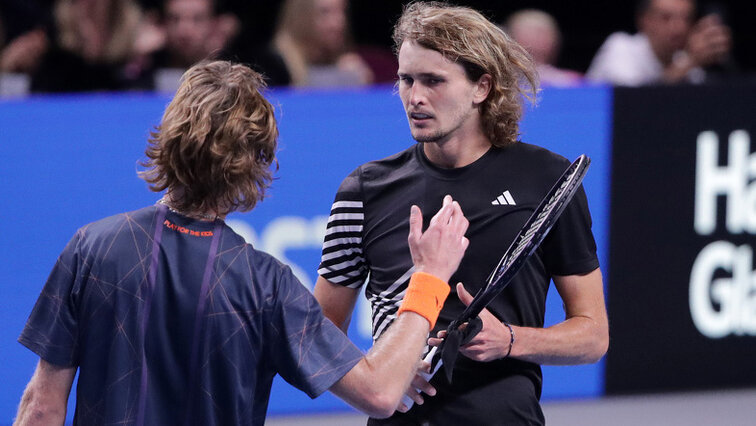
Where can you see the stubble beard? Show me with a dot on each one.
(431, 138)
(439, 136)
(435, 136)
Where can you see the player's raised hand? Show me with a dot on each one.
(440, 248)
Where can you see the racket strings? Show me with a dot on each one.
(553, 203)
(537, 227)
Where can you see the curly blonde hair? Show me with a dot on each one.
(216, 143)
(464, 36)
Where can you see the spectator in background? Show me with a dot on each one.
(195, 31)
(538, 32)
(21, 51)
(92, 40)
(670, 47)
(190, 31)
(312, 38)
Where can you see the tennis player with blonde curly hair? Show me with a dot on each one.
(461, 82)
(172, 318)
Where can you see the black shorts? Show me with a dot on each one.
(496, 395)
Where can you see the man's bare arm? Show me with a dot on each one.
(46, 396)
(583, 337)
(337, 301)
(376, 384)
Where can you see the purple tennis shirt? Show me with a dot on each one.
(171, 320)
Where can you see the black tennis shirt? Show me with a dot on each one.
(366, 243)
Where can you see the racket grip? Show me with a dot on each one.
(406, 400)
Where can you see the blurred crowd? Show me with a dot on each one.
(105, 45)
(92, 45)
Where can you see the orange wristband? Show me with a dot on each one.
(425, 296)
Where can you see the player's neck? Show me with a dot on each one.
(458, 151)
(205, 216)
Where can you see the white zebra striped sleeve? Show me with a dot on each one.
(342, 261)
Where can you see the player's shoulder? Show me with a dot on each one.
(271, 277)
(531, 155)
(382, 170)
(261, 266)
(535, 166)
(388, 165)
(115, 236)
(118, 223)
(265, 265)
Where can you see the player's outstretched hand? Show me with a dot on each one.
(440, 248)
(418, 386)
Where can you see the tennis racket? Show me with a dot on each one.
(530, 236)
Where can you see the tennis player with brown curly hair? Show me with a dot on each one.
(172, 318)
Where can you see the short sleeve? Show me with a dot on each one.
(52, 329)
(570, 248)
(342, 260)
(308, 350)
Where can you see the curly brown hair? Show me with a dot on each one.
(464, 36)
(216, 143)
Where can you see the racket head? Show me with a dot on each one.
(530, 236)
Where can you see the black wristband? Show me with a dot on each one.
(511, 341)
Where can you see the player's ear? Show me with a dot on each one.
(482, 88)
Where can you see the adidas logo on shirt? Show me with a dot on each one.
(505, 199)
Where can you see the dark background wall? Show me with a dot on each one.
(681, 296)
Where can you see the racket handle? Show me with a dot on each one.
(406, 400)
